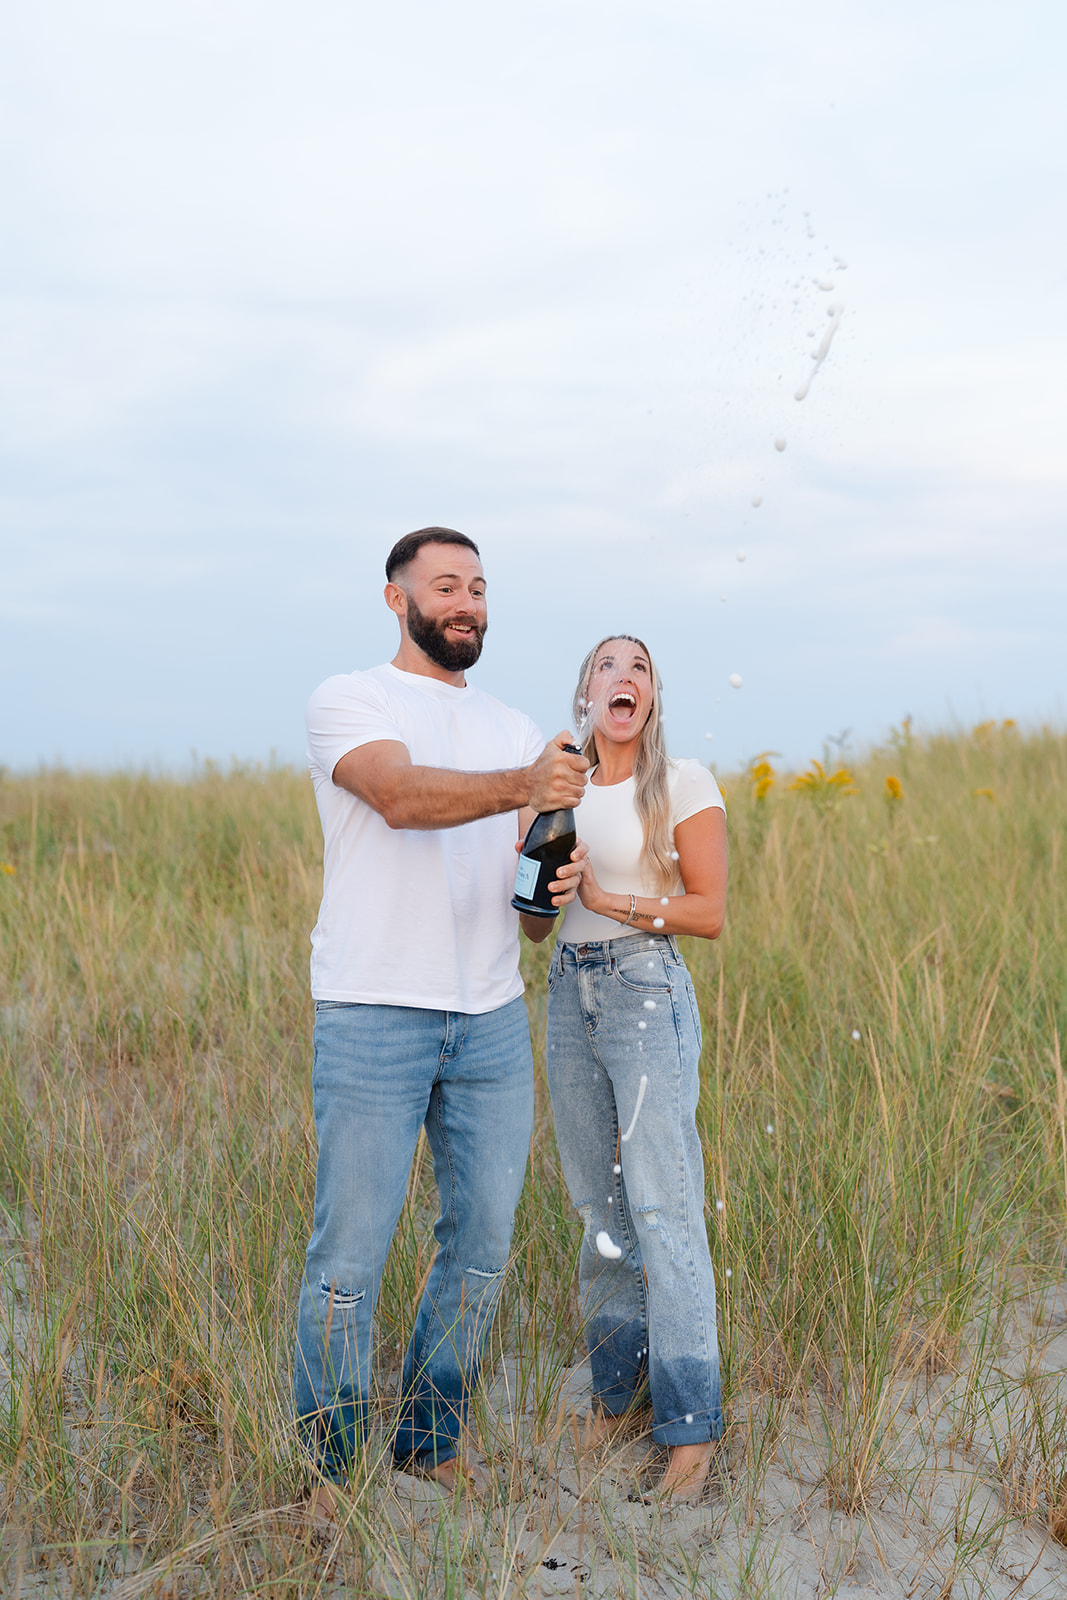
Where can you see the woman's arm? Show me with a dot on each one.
(703, 862)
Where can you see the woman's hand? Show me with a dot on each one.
(568, 883)
(589, 891)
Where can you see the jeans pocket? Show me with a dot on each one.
(642, 971)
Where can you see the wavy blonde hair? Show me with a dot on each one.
(651, 790)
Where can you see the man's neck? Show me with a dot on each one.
(409, 658)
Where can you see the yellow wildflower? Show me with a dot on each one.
(5, 866)
(761, 776)
(982, 730)
(824, 788)
(987, 794)
(893, 789)
(1009, 722)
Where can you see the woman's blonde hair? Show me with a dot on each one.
(651, 790)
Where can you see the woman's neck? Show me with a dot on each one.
(614, 765)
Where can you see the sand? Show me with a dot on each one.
(942, 1489)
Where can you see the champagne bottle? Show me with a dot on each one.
(547, 846)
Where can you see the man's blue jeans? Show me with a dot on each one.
(381, 1073)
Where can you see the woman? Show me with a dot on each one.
(622, 1052)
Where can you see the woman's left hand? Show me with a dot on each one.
(589, 891)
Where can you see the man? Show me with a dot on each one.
(419, 1020)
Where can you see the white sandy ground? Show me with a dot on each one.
(955, 1505)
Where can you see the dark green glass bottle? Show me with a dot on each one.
(547, 846)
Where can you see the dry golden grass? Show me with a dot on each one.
(885, 1120)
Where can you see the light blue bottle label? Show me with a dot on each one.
(526, 878)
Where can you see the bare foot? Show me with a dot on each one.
(325, 1504)
(601, 1427)
(686, 1472)
(469, 1477)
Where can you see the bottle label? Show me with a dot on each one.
(526, 878)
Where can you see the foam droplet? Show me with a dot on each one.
(735, 680)
(657, 922)
(642, 1026)
(835, 313)
(729, 1274)
(616, 1169)
(779, 443)
(689, 1416)
(624, 1138)
(757, 499)
(607, 1246)
(650, 1005)
(856, 1034)
(740, 555)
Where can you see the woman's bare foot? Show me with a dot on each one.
(686, 1472)
(601, 1428)
(469, 1477)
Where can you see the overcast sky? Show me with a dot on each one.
(280, 284)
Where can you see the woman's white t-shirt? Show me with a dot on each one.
(608, 822)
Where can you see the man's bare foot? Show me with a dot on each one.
(470, 1477)
(325, 1504)
(686, 1472)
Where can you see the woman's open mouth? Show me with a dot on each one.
(623, 704)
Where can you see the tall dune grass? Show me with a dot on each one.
(884, 1114)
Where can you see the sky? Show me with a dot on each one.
(280, 284)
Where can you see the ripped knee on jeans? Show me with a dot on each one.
(650, 1216)
(487, 1274)
(339, 1295)
(585, 1211)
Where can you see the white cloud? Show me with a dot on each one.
(280, 285)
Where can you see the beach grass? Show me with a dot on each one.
(884, 1113)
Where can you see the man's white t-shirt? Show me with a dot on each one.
(608, 822)
(415, 916)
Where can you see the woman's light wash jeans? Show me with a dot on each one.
(381, 1073)
(618, 1010)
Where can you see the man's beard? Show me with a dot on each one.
(454, 655)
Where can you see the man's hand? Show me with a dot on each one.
(557, 778)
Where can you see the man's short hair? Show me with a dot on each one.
(406, 549)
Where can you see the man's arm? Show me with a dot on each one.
(406, 796)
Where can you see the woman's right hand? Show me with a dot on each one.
(568, 880)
